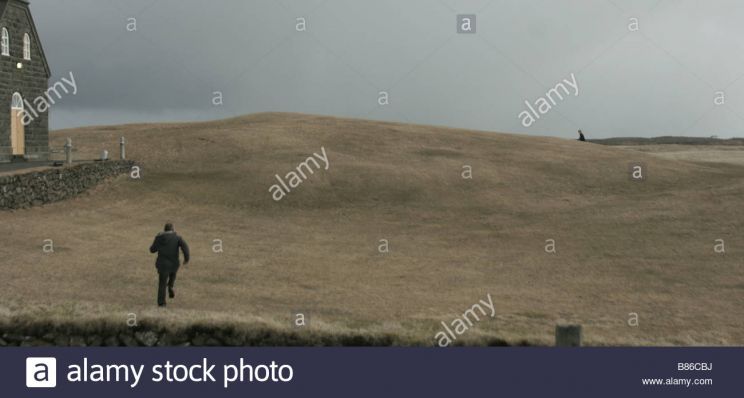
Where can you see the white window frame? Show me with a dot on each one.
(16, 102)
(5, 42)
(26, 47)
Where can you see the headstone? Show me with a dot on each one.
(123, 148)
(568, 336)
(68, 151)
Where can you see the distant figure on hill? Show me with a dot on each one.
(166, 245)
(581, 136)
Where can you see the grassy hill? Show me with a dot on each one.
(622, 247)
(670, 140)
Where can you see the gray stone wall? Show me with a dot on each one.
(53, 185)
(31, 82)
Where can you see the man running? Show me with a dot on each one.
(166, 244)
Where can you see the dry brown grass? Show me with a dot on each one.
(623, 246)
(697, 153)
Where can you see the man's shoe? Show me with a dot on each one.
(161, 305)
(171, 293)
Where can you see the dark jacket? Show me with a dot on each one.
(166, 244)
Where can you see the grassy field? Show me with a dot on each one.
(671, 140)
(623, 247)
(727, 154)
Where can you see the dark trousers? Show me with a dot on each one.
(165, 279)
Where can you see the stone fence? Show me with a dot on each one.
(18, 191)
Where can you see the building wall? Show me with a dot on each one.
(31, 82)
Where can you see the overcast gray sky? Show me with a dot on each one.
(661, 79)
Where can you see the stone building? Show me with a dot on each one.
(24, 77)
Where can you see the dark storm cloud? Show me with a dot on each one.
(661, 79)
